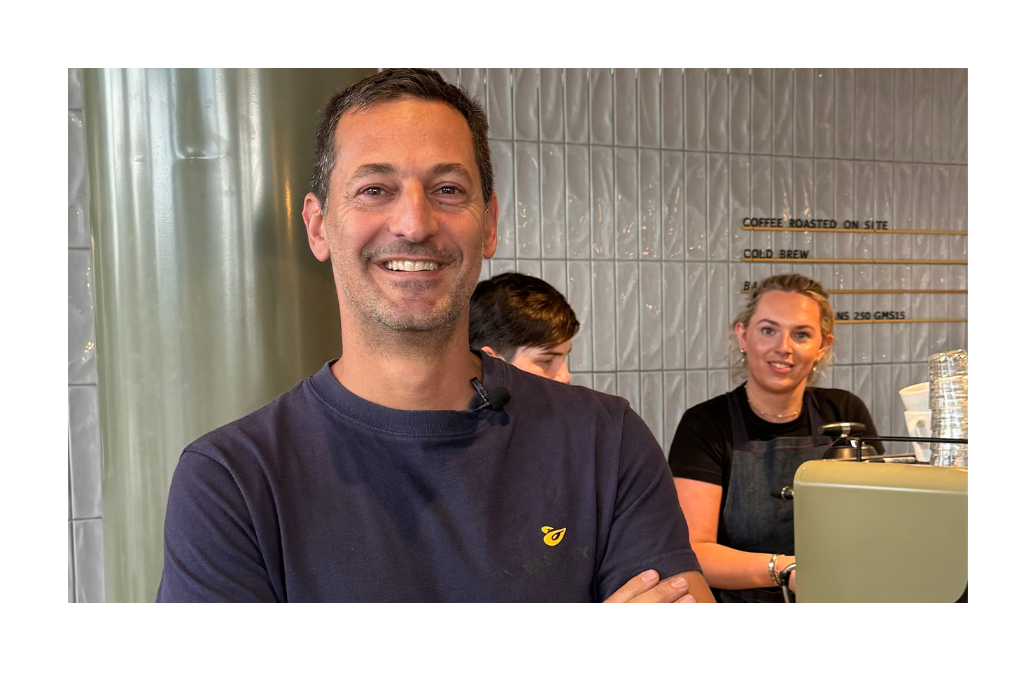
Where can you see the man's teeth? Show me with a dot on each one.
(407, 265)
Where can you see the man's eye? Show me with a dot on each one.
(372, 191)
(449, 190)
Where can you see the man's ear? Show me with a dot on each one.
(489, 352)
(492, 213)
(313, 216)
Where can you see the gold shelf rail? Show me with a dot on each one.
(918, 232)
(774, 260)
(905, 320)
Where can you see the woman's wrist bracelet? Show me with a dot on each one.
(772, 568)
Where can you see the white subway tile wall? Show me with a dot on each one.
(627, 189)
(85, 535)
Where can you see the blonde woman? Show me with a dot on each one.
(730, 452)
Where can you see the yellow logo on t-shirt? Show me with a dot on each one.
(553, 536)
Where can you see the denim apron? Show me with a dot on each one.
(753, 520)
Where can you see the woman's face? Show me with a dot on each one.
(782, 340)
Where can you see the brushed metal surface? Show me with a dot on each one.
(209, 302)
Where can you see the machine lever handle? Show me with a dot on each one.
(786, 493)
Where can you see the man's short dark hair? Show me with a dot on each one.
(512, 310)
(394, 83)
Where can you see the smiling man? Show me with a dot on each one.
(413, 468)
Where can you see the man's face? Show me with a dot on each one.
(405, 225)
(549, 362)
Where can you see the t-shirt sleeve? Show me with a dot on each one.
(696, 451)
(648, 529)
(211, 551)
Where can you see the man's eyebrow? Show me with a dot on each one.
(446, 168)
(373, 169)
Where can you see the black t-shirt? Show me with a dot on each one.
(564, 495)
(702, 446)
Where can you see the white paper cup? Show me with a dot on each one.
(919, 423)
(915, 397)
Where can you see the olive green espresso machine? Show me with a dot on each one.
(867, 532)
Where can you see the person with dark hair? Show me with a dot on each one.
(731, 451)
(525, 321)
(414, 468)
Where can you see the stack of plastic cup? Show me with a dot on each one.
(948, 401)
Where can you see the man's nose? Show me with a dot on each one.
(414, 217)
(563, 375)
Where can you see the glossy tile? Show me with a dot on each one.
(903, 115)
(577, 106)
(884, 113)
(526, 104)
(942, 85)
(552, 193)
(864, 118)
(845, 112)
(884, 186)
(695, 102)
(583, 380)
(577, 203)
(719, 207)
(88, 545)
(697, 323)
(804, 114)
(824, 205)
(530, 267)
(672, 108)
(863, 385)
(552, 104)
(473, 81)
(602, 197)
(651, 316)
(762, 110)
(527, 199)
(498, 266)
(75, 88)
(923, 115)
(718, 109)
(627, 319)
(959, 115)
(82, 350)
(499, 108)
(919, 308)
(719, 382)
(606, 382)
(696, 205)
(604, 327)
(783, 111)
(626, 106)
(673, 199)
(649, 113)
(503, 165)
(84, 443)
(783, 175)
(580, 299)
(674, 317)
(650, 195)
(845, 205)
(740, 110)
(627, 216)
(77, 184)
(555, 272)
(697, 387)
(740, 203)
(79, 225)
(882, 394)
(602, 107)
(824, 111)
(718, 314)
(71, 567)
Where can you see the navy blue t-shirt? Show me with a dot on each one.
(564, 495)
